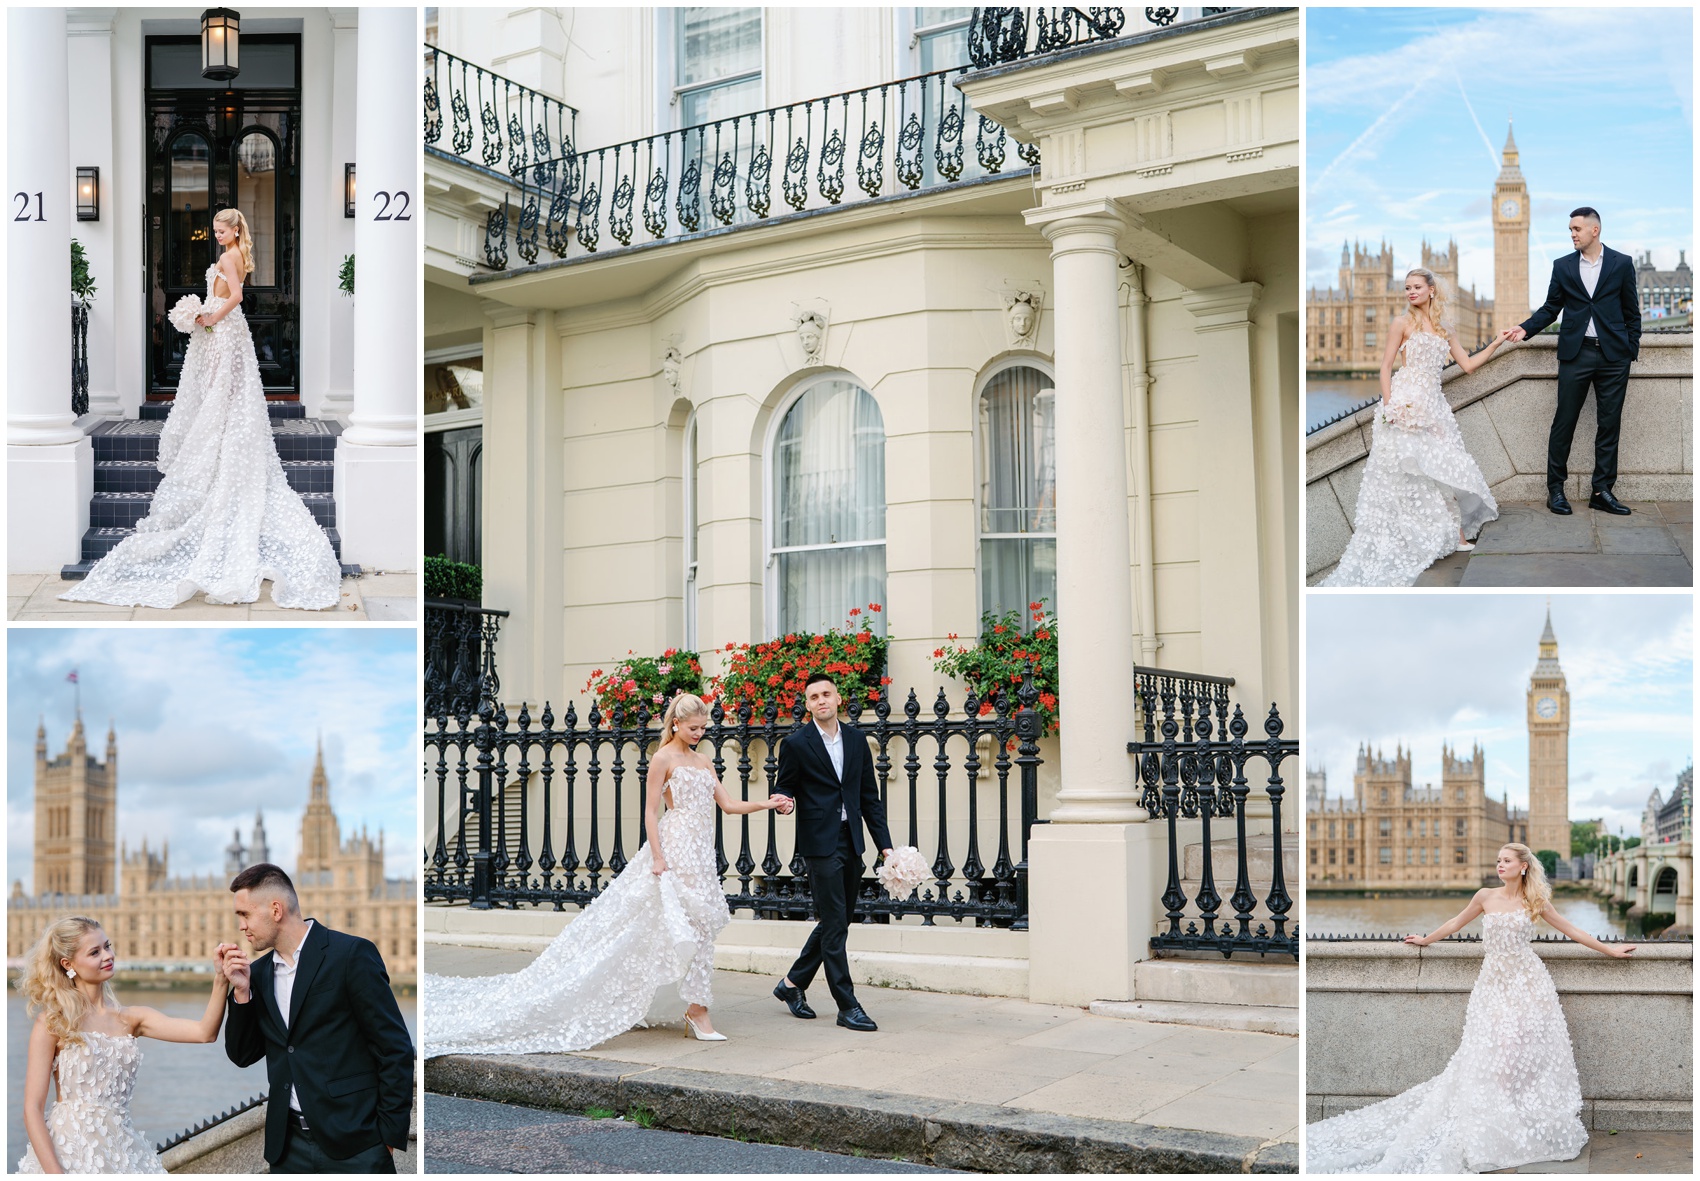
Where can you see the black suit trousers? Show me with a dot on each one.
(304, 1154)
(1609, 380)
(834, 881)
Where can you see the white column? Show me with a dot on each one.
(49, 463)
(378, 455)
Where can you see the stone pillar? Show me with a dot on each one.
(1095, 870)
(377, 459)
(49, 462)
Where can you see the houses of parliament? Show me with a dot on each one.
(159, 920)
(1391, 833)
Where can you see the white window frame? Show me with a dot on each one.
(909, 35)
(692, 549)
(1017, 361)
(668, 97)
(451, 420)
(770, 515)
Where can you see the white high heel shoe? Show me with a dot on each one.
(691, 1030)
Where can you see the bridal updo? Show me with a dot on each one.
(683, 705)
(1537, 892)
(244, 240)
(48, 990)
(1439, 313)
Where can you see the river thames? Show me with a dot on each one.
(1334, 914)
(178, 1085)
(1327, 396)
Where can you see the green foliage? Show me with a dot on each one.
(599, 1113)
(1549, 861)
(778, 669)
(1632, 842)
(345, 276)
(453, 580)
(643, 1117)
(646, 682)
(82, 283)
(1008, 644)
(1584, 837)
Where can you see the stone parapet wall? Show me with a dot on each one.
(1505, 412)
(1381, 1017)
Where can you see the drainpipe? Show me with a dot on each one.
(1145, 602)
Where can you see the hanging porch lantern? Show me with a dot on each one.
(88, 193)
(221, 33)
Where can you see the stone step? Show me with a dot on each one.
(1217, 982)
(295, 438)
(100, 540)
(1237, 1018)
(157, 411)
(141, 475)
(124, 509)
(1260, 859)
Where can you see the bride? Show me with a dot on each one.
(1422, 496)
(1510, 1095)
(646, 930)
(87, 1042)
(224, 517)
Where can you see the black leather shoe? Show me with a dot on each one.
(854, 1018)
(1607, 503)
(1556, 502)
(794, 1000)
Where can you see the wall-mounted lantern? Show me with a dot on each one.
(88, 193)
(348, 190)
(221, 35)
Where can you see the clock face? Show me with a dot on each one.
(1547, 707)
(1508, 208)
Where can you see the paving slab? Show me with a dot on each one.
(1578, 570)
(978, 1083)
(36, 597)
(1626, 1153)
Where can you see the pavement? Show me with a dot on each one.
(987, 1084)
(1529, 546)
(473, 1136)
(1626, 1152)
(375, 596)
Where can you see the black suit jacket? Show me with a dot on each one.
(806, 775)
(346, 1049)
(1614, 307)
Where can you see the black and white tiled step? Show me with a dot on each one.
(125, 476)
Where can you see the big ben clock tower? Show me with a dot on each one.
(1549, 750)
(1510, 242)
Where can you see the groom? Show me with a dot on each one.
(1598, 338)
(826, 772)
(319, 1010)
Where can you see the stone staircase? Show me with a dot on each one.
(125, 475)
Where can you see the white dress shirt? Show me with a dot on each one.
(1591, 280)
(283, 987)
(835, 751)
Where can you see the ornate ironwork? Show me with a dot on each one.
(880, 141)
(79, 357)
(494, 121)
(460, 656)
(527, 806)
(1000, 35)
(1197, 771)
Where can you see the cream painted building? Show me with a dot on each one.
(1076, 382)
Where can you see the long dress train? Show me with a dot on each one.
(1510, 1095)
(1420, 486)
(597, 978)
(224, 516)
(90, 1121)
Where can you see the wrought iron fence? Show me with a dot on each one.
(482, 118)
(1323, 937)
(460, 657)
(898, 137)
(1000, 35)
(544, 810)
(79, 358)
(1197, 771)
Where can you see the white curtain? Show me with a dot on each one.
(1018, 491)
(716, 43)
(829, 507)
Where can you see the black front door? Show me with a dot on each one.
(217, 145)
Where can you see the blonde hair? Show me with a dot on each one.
(244, 240)
(1537, 892)
(683, 705)
(46, 987)
(1439, 321)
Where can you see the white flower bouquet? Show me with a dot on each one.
(1403, 414)
(903, 872)
(183, 315)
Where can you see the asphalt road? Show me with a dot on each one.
(473, 1136)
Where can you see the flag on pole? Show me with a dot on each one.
(72, 676)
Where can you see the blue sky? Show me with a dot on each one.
(214, 722)
(1406, 116)
(1423, 669)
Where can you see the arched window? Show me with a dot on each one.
(827, 542)
(1018, 490)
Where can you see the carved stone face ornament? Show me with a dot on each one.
(811, 332)
(1023, 317)
(670, 362)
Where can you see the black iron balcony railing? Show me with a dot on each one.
(460, 656)
(1197, 771)
(898, 137)
(1000, 35)
(485, 119)
(79, 358)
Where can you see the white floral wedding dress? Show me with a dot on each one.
(1509, 1096)
(599, 976)
(1420, 486)
(224, 517)
(90, 1120)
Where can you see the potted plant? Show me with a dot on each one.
(1007, 647)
